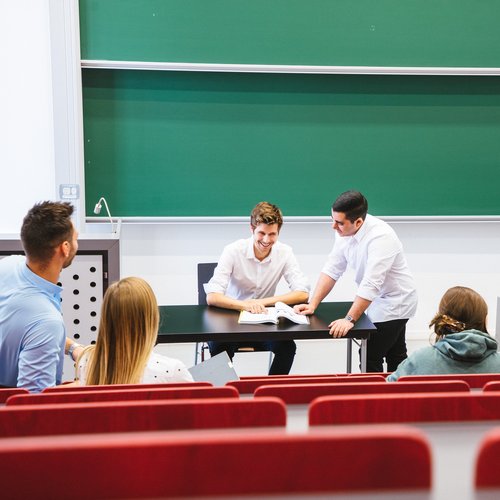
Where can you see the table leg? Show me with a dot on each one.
(364, 344)
(349, 355)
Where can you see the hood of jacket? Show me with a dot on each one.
(471, 346)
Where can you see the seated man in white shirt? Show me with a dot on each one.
(246, 278)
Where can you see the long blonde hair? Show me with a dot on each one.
(461, 308)
(127, 334)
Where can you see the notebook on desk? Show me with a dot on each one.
(218, 370)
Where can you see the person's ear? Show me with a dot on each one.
(65, 247)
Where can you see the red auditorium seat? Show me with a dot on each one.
(305, 393)
(216, 464)
(128, 416)
(416, 407)
(124, 395)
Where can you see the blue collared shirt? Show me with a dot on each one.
(32, 332)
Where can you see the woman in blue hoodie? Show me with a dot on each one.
(462, 342)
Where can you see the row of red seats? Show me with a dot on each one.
(291, 393)
(209, 413)
(188, 407)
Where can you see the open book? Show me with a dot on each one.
(280, 310)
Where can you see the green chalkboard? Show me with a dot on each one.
(213, 144)
(461, 33)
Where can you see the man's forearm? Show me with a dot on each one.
(221, 300)
(359, 306)
(291, 298)
(323, 288)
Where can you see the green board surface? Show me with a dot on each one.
(214, 144)
(455, 33)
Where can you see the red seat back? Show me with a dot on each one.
(248, 386)
(6, 393)
(124, 395)
(488, 461)
(126, 416)
(475, 380)
(116, 387)
(305, 393)
(491, 386)
(327, 375)
(386, 408)
(216, 464)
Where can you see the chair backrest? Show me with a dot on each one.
(7, 392)
(217, 464)
(475, 380)
(295, 375)
(119, 387)
(127, 416)
(305, 393)
(205, 272)
(124, 395)
(389, 408)
(491, 386)
(488, 462)
(248, 386)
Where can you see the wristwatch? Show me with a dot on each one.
(72, 347)
(350, 318)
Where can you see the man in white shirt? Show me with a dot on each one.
(386, 290)
(246, 278)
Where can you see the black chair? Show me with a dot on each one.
(205, 273)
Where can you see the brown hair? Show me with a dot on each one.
(461, 308)
(266, 213)
(127, 333)
(45, 226)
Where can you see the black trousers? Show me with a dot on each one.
(284, 352)
(389, 343)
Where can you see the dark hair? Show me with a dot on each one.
(266, 213)
(45, 226)
(351, 203)
(461, 308)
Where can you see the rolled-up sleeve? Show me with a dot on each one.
(222, 274)
(336, 263)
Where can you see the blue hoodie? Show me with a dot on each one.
(470, 351)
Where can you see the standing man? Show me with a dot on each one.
(246, 278)
(32, 333)
(386, 290)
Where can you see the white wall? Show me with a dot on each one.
(440, 254)
(26, 119)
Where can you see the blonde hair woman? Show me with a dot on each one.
(462, 342)
(123, 353)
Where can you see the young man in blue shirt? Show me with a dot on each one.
(32, 333)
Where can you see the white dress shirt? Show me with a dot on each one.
(159, 370)
(240, 275)
(381, 271)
